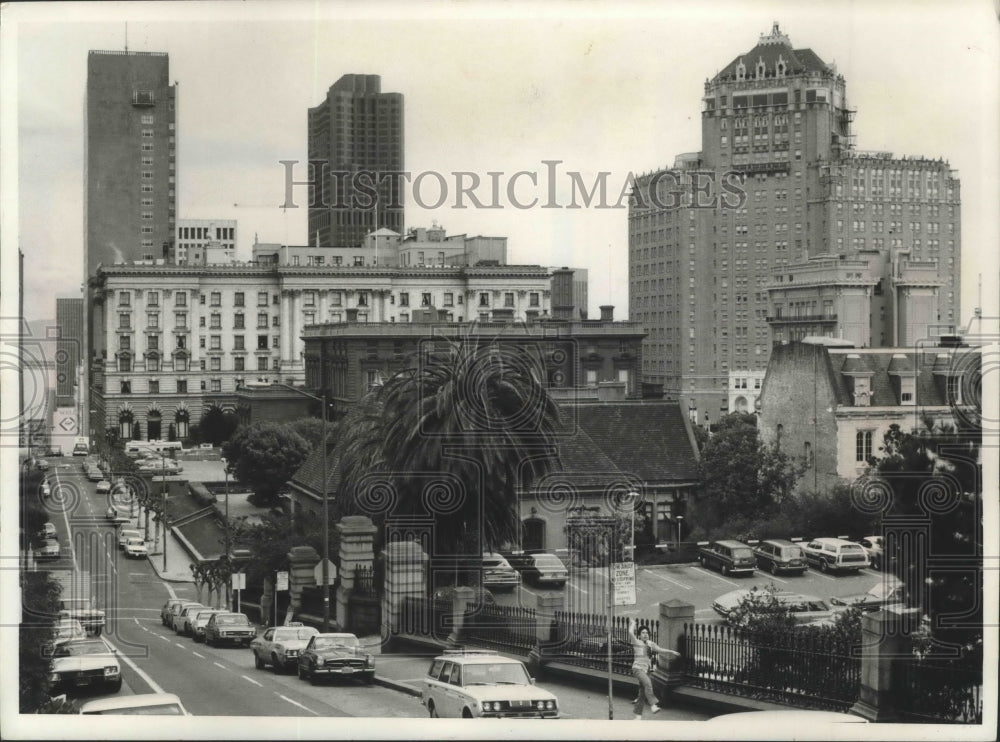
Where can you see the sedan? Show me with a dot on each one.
(48, 549)
(85, 663)
(124, 534)
(545, 569)
(116, 517)
(47, 531)
(335, 655)
(804, 608)
(182, 621)
(103, 487)
(875, 548)
(194, 624)
(232, 628)
(887, 592)
(280, 646)
(165, 610)
(778, 555)
(135, 548)
(177, 609)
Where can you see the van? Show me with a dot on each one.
(729, 557)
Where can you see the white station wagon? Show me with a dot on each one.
(480, 684)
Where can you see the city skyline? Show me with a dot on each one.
(594, 103)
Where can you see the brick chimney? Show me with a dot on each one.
(607, 313)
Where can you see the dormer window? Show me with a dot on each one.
(761, 69)
(741, 71)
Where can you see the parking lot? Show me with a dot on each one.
(587, 590)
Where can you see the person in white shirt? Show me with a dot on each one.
(643, 648)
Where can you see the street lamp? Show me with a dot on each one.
(679, 519)
(326, 506)
(163, 494)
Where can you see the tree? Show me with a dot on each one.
(934, 516)
(39, 605)
(740, 475)
(264, 456)
(311, 430)
(217, 426)
(456, 435)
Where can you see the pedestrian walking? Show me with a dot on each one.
(643, 649)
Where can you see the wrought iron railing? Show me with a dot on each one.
(803, 668)
(581, 639)
(504, 628)
(938, 691)
(426, 618)
(364, 582)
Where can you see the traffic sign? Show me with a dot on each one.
(623, 579)
(282, 582)
(239, 581)
(331, 572)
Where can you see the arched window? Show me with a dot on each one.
(154, 424)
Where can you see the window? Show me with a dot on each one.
(262, 342)
(261, 298)
(484, 299)
(238, 342)
(216, 385)
(216, 321)
(182, 387)
(154, 386)
(239, 363)
(124, 299)
(309, 298)
(215, 364)
(262, 364)
(425, 299)
(153, 321)
(153, 298)
(276, 341)
(238, 299)
(275, 322)
(153, 363)
(359, 260)
(216, 298)
(336, 299)
(449, 299)
(863, 445)
(126, 387)
(404, 299)
(201, 322)
(362, 298)
(238, 322)
(124, 321)
(508, 299)
(153, 342)
(262, 320)
(180, 299)
(309, 318)
(533, 299)
(216, 342)
(180, 364)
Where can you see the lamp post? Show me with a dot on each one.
(680, 518)
(163, 494)
(326, 506)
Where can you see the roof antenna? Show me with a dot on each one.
(126, 38)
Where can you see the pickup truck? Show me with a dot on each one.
(83, 611)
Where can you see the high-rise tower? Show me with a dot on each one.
(358, 128)
(779, 229)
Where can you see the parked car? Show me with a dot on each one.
(47, 531)
(46, 488)
(85, 663)
(778, 555)
(234, 628)
(94, 474)
(144, 704)
(84, 611)
(888, 591)
(104, 487)
(596, 645)
(540, 568)
(804, 608)
(729, 557)
(335, 655)
(280, 646)
(176, 614)
(835, 555)
(135, 548)
(498, 574)
(194, 626)
(125, 533)
(66, 629)
(47, 550)
(165, 610)
(875, 547)
(42, 465)
(116, 516)
(480, 684)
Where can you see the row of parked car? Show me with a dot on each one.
(788, 557)
(506, 570)
(293, 647)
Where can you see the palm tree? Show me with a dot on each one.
(457, 434)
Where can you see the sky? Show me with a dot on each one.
(487, 88)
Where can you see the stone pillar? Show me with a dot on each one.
(674, 614)
(356, 536)
(302, 560)
(461, 597)
(885, 635)
(546, 645)
(405, 574)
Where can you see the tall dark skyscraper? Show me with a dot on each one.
(795, 233)
(69, 320)
(357, 128)
(131, 174)
(130, 157)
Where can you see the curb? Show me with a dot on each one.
(160, 574)
(397, 685)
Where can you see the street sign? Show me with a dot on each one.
(239, 581)
(331, 572)
(623, 579)
(282, 582)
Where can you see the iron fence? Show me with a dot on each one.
(937, 690)
(427, 618)
(803, 668)
(505, 628)
(364, 582)
(581, 639)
